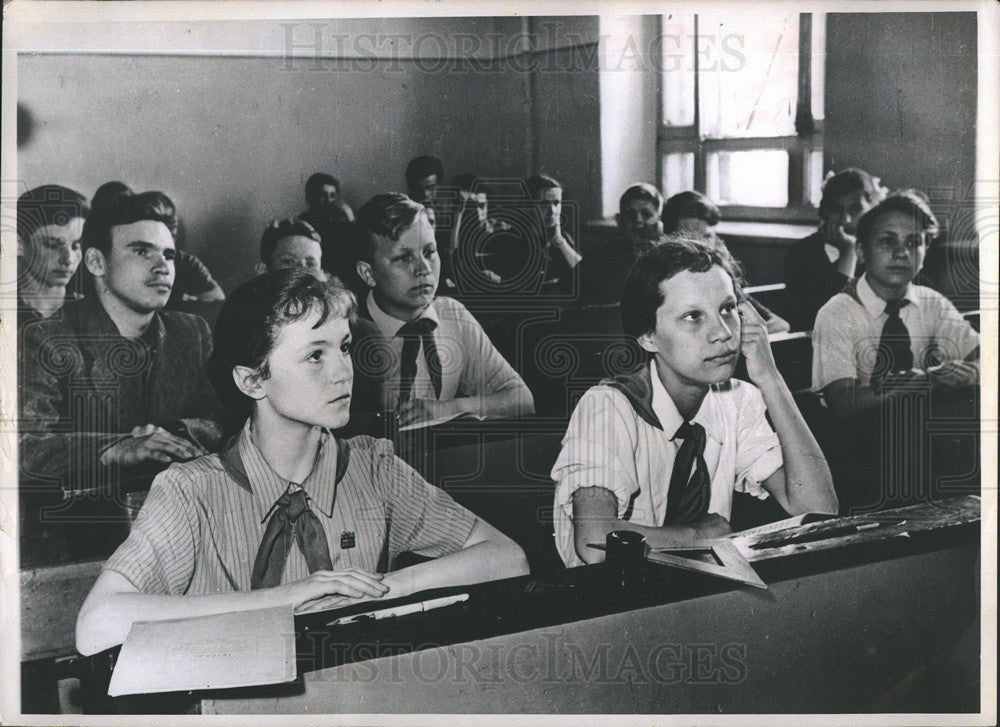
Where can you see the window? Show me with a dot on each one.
(741, 117)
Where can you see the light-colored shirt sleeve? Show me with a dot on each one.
(758, 449)
(158, 557)
(833, 349)
(598, 450)
(954, 337)
(486, 371)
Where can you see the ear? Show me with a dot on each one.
(95, 262)
(646, 342)
(860, 248)
(365, 273)
(248, 381)
(618, 219)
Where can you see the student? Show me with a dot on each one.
(883, 333)
(560, 254)
(291, 243)
(49, 225)
(193, 282)
(216, 534)
(424, 176)
(323, 195)
(470, 234)
(295, 244)
(819, 266)
(692, 215)
(605, 268)
(333, 219)
(661, 451)
(442, 363)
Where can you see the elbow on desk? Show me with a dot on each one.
(91, 630)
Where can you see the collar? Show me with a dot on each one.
(267, 486)
(389, 325)
(872, 302)
(93, 319)
(654, 406)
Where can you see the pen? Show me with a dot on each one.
(401, 610)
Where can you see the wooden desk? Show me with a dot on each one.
(889, 626)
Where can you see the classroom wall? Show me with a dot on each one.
(233, 138)
(901, 99)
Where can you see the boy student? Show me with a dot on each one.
(49, 225)
(560, 254)
(442, 364)
(817, 267)
(661, 451)
(424, 176)
(883, 333)
(295, 244)
(333, 219)
(288, 513)
(692, 215)
(192, 279)
(604, 270)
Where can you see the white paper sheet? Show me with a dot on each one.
(239, 649)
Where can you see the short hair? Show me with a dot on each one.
(280, 229)
(108, 191)
(385, 215)
(424, 166)
(689, 205)
(641, 192)
(124, 210)
(251, 318)
(537, 183)
(319, 180)
(845, 182)
(49, 204)
(641, 295)
(908, 201)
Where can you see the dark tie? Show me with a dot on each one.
(687, 499)
(291, 518)
(894, 352)
(414, 334)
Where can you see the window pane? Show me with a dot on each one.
(677, 44)
(754, 178)
(678, 173)
(814, 177)
(818, 78)
(748, 74)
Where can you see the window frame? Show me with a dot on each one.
(800, 146)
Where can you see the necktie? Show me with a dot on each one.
(894, 352)
(416, 334)
(687, 499)
(291, 518)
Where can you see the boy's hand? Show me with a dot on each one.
(955, 374)
(710, 526)
(415, 410)
(755, 346)
(328, 589)
(150, 443)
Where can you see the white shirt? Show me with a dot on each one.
(607, 444)
(470, 364)
(848, 331)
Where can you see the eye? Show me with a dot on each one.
(169, 254)
(345, 347)
(728, 309)
(693, 316)
(430, 252)
(315, 357)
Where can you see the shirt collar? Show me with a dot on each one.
(671, 419)
(247, 466)
(389, 325)
(872, 302)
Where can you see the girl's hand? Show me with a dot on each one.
(755, 346)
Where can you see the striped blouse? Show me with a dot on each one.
(200, 527)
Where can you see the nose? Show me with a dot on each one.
(161, 263)
(722, 330)
(341, 369)
(423, 265)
